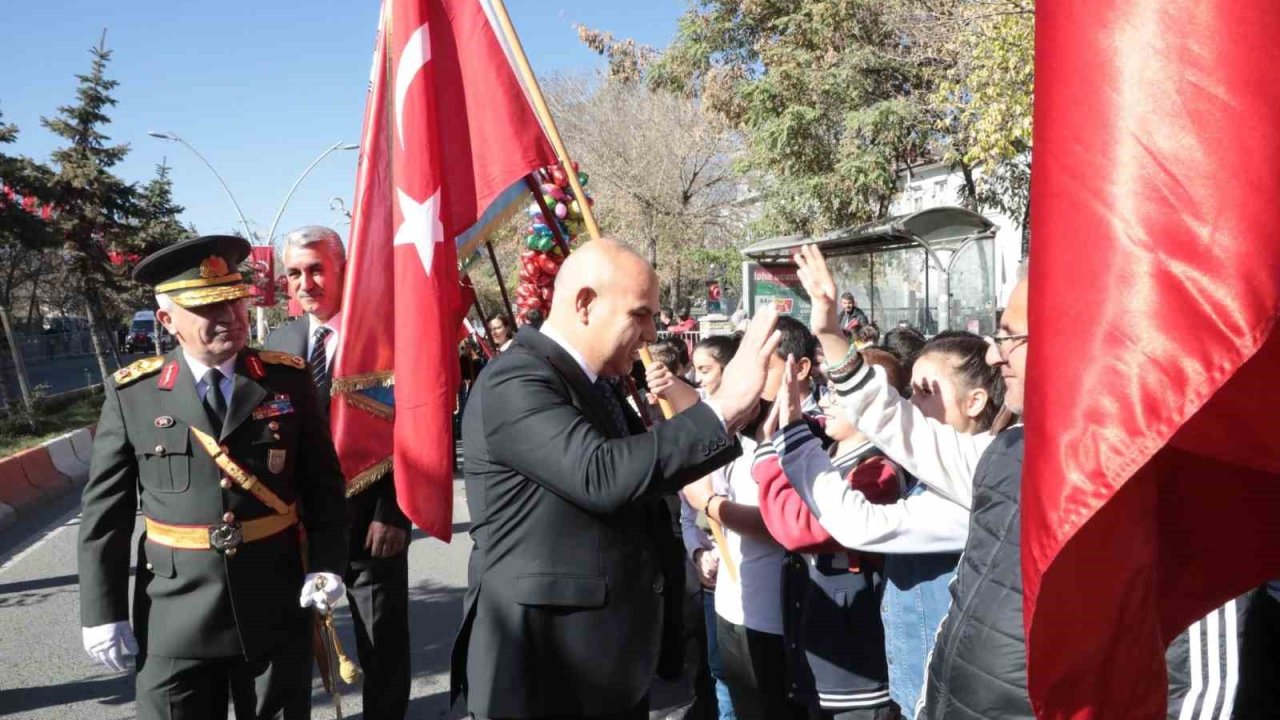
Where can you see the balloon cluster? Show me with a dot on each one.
(542, 256)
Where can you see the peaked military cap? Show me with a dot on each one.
(199, 271)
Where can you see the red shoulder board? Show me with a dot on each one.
(168, 376)
(256, 370)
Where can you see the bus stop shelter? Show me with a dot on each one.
(934, 269)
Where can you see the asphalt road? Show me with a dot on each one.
(46, 673)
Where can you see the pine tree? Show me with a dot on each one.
(94, 205)
(157, 227)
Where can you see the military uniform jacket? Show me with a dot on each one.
(200, 603)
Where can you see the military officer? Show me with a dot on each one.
(378, 574)
(223, 450)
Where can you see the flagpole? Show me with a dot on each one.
(497, 273)
(544, 114)
(553, 133)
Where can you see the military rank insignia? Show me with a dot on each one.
(254, 364)
(169, 376)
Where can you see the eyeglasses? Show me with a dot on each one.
(1001, 342)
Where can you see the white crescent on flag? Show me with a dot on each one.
(414, 57)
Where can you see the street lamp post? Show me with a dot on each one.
(271, 233)
(174, 137)
(261, 315)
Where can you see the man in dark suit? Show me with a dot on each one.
(378, 575)
(563, 612)
(215, 603)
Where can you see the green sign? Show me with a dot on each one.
(776, 286)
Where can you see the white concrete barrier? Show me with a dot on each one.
(63, 455)
(82, 445)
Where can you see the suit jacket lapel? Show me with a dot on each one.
(246, 394)
(182, 402)
(583, 393)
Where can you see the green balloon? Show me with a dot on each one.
(583, 178)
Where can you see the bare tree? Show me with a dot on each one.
(661, 170)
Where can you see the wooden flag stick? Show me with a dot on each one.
(716, 531)
(553, 134)
(544, 114)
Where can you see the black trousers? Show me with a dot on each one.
(278, 686)
(378, 594)
(1258, 695)
(639, 712)
(755, 669)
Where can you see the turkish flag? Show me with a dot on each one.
(447, 131)
(1152, 473)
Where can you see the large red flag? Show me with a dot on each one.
(448, 130)
(1152, 476)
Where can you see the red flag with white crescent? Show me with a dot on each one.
(448, 130)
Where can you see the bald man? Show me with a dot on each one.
(563, 611)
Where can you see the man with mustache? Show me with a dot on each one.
(224, 452)
(378, 574)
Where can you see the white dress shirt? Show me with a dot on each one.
(331, 340)
(554, 337)
(198, 369)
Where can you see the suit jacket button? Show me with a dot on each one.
(225, 483)
(228, 518)
(150, 566)
(658, 585)
(160, 450)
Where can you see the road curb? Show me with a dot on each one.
(44, 473)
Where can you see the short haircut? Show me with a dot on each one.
(797, 341)
(506, 321)
(721, 348)
(163, 301)
(666, 310)
(905, 344)
(533, 318)
(868, 333)
(317, 235)
(665, 352)
(847, 296)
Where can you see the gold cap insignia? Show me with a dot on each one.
(214, 266)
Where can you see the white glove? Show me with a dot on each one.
(321, 591)
(108, 644)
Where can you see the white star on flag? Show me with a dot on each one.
(421, 226)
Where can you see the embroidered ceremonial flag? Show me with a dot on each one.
(448, 130)
(1152, 475)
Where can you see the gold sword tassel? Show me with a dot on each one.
(339, 664)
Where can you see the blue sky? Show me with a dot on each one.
(260, 88)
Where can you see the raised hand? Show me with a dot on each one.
(743, 378)
(821, 288)
(816, 279)
(790, 395)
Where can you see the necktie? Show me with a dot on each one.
(320, 360)
(609, 397)
(214, 403)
